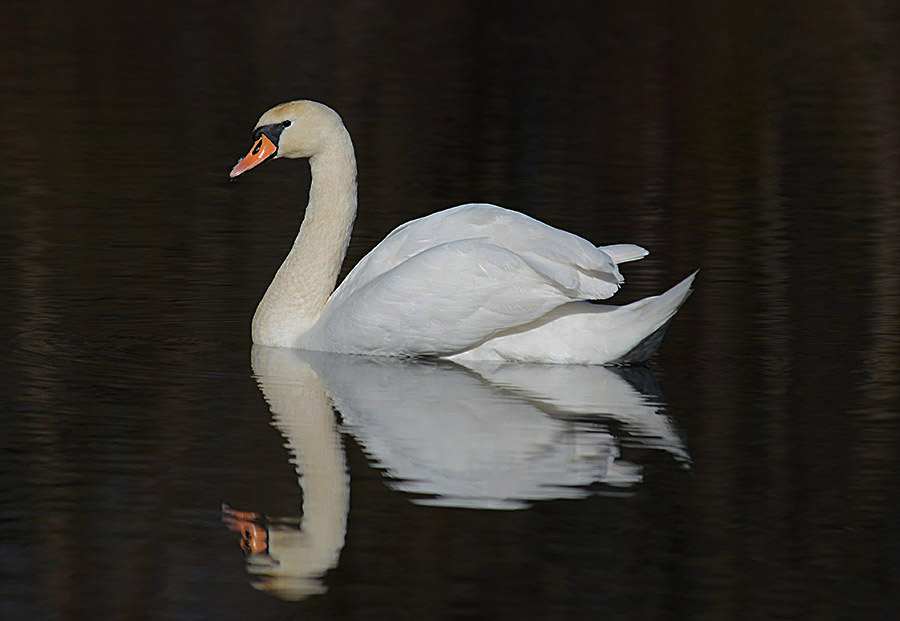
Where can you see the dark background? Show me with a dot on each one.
(759, 142)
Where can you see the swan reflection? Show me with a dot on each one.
(486, 436)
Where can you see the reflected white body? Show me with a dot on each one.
(474, 282)
(496, 436)
(489, 436)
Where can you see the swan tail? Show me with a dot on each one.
(587, 333)
(650, 318)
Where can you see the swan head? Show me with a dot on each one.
(295, 129)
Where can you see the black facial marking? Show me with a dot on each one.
(272, 131)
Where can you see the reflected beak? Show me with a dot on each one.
(262, 150)
(254, 536)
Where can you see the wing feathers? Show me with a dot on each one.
(456, 277)
(623, 253)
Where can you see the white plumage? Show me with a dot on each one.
(474, 282)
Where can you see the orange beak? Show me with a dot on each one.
(262, 150)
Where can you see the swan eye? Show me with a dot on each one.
(286, 124)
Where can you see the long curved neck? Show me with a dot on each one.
(301, 287)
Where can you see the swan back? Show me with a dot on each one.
(575, 265)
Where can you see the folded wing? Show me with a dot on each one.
(442, 283)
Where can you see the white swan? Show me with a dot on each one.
(474, 282)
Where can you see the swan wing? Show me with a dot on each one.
(575, 264)
(442, 300)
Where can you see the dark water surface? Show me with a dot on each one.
(750, 472)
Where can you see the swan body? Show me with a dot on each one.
(473, 282)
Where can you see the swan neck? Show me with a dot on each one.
(298, 293)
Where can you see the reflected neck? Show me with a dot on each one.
(302, 413)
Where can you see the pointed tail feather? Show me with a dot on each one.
(656, 314)
(587, 333)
